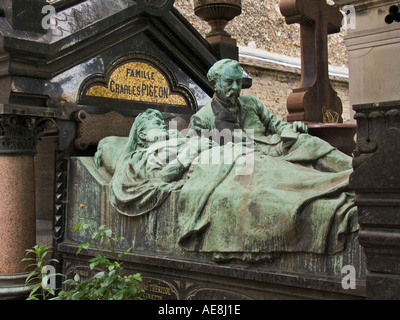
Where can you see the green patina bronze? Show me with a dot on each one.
(272, 188)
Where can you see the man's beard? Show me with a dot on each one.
(232, 96)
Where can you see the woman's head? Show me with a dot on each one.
(149, 127)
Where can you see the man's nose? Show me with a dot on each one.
(235, 85)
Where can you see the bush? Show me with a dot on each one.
(108, 283)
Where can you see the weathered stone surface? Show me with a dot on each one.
(376, 180)
(17, 212)
(168, 277)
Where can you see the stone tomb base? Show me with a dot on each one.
(169, 272)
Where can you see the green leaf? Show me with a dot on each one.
(35, 288)
(83, 245)
(83, 226)
(138, 277)
(70, 282)
(45, 278)
(28, 259)
(119, 295)
(105, 231)
(99, 260)
(29, 277)
(87, 225)
(51, 291)
(129, 250)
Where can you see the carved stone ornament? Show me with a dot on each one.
(19, 134)
(376, 181)
(218, 14)
(378, 129)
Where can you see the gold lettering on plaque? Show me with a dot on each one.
(137, 81)
(154, 291)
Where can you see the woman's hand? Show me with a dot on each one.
(173, 171)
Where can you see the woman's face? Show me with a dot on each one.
(156, 130)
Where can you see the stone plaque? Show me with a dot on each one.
(144, 81)
(157, 289)
(94, 127)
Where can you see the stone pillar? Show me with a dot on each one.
(376, 180)
(373, 43)
(218, 13)
(315, 102)
(18, 137)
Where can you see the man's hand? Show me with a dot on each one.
(300, 127)
(291, 132)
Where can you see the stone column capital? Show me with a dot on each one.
(19, 134)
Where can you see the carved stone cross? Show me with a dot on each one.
(314, 100)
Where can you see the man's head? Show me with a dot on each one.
(226, 76)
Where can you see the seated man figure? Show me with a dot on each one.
(272, 136)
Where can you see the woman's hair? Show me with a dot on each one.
(139, 126)
(218, 68)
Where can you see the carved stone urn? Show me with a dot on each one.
(218, 13)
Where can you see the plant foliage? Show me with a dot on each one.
(108, 281)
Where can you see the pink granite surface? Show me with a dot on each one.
(17, 212)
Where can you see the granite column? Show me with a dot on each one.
(18, 138)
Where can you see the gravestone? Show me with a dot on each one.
(89, 74)
(317, 20)
(315, 101)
